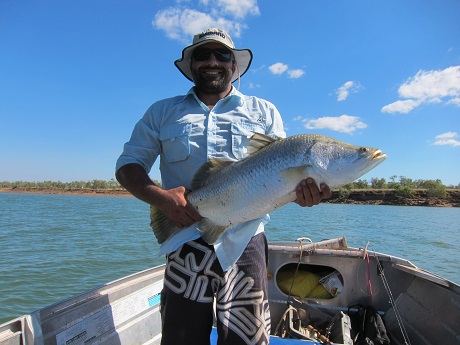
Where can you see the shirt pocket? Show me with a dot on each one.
(175, 141)
(241, 132)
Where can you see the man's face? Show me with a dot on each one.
(210, 71)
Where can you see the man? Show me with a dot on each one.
(213, 120)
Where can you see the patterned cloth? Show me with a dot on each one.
(194, 277)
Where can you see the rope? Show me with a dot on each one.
(369, 284)
(300, 240)
(277, 329)
(239, 81)
(392, 301)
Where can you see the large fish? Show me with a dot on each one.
(226, 193)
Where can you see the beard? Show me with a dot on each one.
(212, 84)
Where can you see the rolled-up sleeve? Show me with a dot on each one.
(143, 147)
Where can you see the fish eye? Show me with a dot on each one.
(364, 149)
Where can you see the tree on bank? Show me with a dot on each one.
(435, 188)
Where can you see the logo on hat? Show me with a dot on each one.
(208, 33)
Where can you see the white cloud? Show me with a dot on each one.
(237, 8)
(296, 73)
(183, 21)
(454, 101)
(255, 70)
(447, 138)
(434, 86)
(181, 24)
(278, 68)
(403, 107)
(343, 123)
(297, 118)
(349, 87)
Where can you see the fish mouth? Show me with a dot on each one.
(379, 155)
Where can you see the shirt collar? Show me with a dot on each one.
(234, 94)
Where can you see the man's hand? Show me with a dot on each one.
(172, 202)
(308, 193)
(176, 207)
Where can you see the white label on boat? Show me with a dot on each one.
(111, 316)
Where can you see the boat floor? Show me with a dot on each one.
(273, 340)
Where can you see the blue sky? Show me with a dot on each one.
(76, 76)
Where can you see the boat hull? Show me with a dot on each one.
(126, 311)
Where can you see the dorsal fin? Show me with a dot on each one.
(258, 141)
(212, 166)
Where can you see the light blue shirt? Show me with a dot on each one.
(185, 133)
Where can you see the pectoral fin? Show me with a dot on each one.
(210, 232)
(161, 225)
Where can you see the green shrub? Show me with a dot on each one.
(343, 193)
(434, 189)
(404, 192)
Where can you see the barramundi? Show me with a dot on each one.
(226, 193)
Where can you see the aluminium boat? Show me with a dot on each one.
(316, 291)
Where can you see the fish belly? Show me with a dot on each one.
(245, 196)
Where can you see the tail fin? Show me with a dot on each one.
(161, 225)
(164, 229)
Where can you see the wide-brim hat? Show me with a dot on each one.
(243, 57)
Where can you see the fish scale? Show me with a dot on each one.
(228, 193)
(258, 181)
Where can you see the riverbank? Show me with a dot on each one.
(364, 196)
(82, 191)
(389, 197)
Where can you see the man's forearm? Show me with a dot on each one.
(171, 202)
(136, 181)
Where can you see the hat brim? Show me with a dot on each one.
(243, 59)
